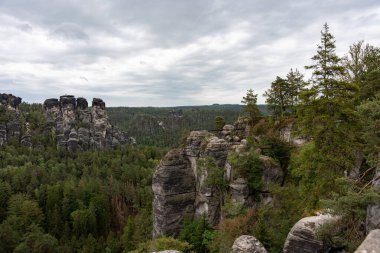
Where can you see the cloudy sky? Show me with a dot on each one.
(167, 52)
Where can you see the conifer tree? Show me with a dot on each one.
(278, 98)
(328, 115)
(296, 85)
(250, 101)
(283, 96)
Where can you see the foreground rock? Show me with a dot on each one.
(302, 237)
(371, 244)
(247, 244)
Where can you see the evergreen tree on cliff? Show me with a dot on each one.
(328, 116)
(251, 108)
(283, 96)
(278, 99)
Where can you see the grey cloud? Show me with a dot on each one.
(25, 27)
(69, 31)
(110, 43)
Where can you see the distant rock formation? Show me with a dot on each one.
(74, 125)
(78, 127)
(10, 120)
(247, 244)
(179, 182)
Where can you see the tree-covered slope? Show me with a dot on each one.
(164, 126)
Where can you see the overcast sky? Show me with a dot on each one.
(168, 52)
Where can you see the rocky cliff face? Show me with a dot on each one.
(78, 127)
(179, 182)
(74, 124)
(10, 120)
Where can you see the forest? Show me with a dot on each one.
(55, 200)
(164, 126)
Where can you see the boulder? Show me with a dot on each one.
(98, 103)
(9, 100)
(302, 237)
(371, 244)
(82, 103)
(50, 103)
(247, 244)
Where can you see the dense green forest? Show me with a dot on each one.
(164, 126)
(57, 201)
(52, 200)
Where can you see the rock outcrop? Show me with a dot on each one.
(78, 127)
(373, 211)
(302, 237)
(168, 251)
(247, 244)
(10, 120)
(74, 125)
(174, 193)
(371, 244)
(288, 135)
(176, 197)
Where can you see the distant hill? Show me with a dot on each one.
(164, 126)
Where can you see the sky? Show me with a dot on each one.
(168, 52)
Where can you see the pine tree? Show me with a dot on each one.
(283, 96)
(250, 101)
(328, 117)
(327, 106)
(278, 99)
(296, 85)
(327, 68)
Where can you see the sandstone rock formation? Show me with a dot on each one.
(78, 127)
(288, 135)
(74, 125)
(371, 244)
(373, 211)
(174, 194)
(168, 251)
(247, 244)
(176, 197)
(10, 120)
(302, 237)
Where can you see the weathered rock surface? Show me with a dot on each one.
(373, 211)
(371, 244)
(288, 136)
(247, 244)
(174, 193)
(302, 237)
(78, 127)
(75, 126)
(176, 197)
(10, 124)
(168, 251)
